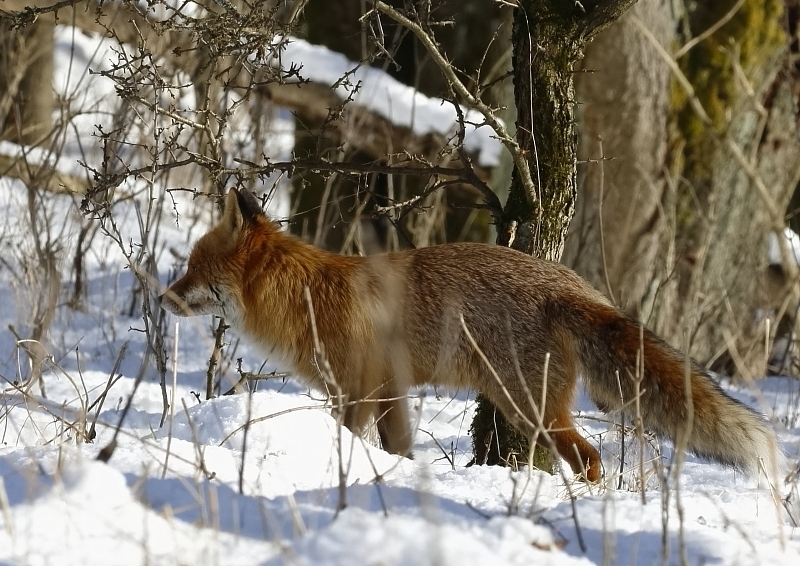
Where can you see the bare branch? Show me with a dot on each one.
(449, 73)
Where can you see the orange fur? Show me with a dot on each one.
(392, 321)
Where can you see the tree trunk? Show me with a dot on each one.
(723, 218)
(618, 231)
(27, 99)
(684, 225)
(536, 219)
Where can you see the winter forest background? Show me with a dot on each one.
(652, 146)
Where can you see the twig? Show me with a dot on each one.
(247, 425)
(639, 419)
(5, 507)
(600, 218)
(107, 451)
(213, 362)
(450, 75)
(439, 444)
(111, 381)
(31, 13)
(172, 403)
(540, 428)
(245, 376)
(201, 463)
(326, 372)
(710, 31)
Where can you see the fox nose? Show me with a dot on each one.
(159, 298)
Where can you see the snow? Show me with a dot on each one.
(792, 241)
(400, 104)
(165, 500)
(293, 487)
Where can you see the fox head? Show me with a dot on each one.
(213, 280)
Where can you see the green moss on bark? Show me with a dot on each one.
(750, 36)
(491, 433)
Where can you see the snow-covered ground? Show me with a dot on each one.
(291, 487)
(203, 490)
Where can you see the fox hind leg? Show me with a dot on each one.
(559, 434)
(561, 384)
(579, 454)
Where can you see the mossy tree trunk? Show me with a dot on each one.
(742, 76)
(548, 40)
(685, 226)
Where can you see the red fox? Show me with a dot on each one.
(516, 328)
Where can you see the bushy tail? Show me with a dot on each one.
(708, 423)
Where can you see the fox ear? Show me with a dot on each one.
(241, 208)
(248, 205)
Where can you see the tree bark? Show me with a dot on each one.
(618, 231)
(536, 219)
(684, 224)
(27, 99)
(726, 209)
